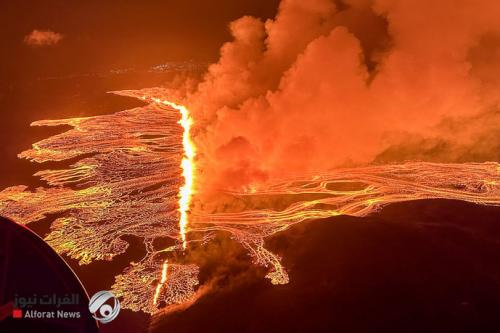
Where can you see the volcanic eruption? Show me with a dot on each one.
(313, 114)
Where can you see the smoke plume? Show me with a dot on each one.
(42, 38)
(327, 84)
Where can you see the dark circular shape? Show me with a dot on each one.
(29, 268)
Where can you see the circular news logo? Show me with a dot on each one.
(104, 306)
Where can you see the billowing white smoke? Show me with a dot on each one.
(324, 85)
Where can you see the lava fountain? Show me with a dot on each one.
(127, 182)
(187, 165)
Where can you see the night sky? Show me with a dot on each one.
(103, 35)
(72, 77)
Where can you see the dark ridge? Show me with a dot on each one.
(422, 266)
(28, 266)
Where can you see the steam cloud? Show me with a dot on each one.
(328, 84)
(43, 38)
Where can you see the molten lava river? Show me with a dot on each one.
(135, 175)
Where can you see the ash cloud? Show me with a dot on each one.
(324, 85)
(42, 38)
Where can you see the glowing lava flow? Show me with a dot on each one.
(126, 182)
(164, 271)
(187, 164)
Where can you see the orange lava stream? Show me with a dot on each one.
(127, 182)
(187, 165)
(354, 192)
(164, 272)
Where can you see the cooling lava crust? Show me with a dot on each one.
(423, 266)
